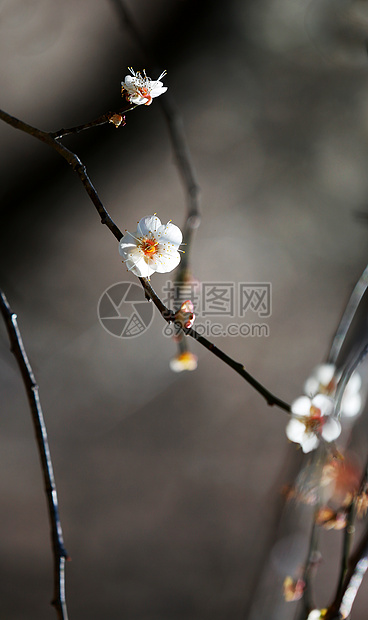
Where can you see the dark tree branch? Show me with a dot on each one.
(270, 398)
(73, 160)
(59, 553)
(167, 314)
(97, 122)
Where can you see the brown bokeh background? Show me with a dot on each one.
(169, 484)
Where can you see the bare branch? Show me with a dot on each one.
(167, 314)
(59, 553)
(73, 161)
(97, 122)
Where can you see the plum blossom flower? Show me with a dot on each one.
(312, 421)
(140, 89)
(321, 381)
(184, 361)
(153, 247)
(185, 315)
(324, 380)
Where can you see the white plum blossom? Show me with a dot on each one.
(312, 421)
(321, 381)
(153, 247)
(140, 89)
(324, 380)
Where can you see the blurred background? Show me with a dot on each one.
(170, 485)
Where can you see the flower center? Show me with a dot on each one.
(315, 421)
(328, 389)
(149, 246)
(144, 92)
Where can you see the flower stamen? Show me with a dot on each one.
(315, 421)
(149, 246)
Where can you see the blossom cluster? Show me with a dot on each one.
(314, 416)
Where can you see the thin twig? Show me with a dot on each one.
(97, 122)
(101, 120)
(270, 398)
(73, 160)
(59, 553)
(167, 314)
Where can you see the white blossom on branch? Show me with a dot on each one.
(140, 89)
(153, 247)
(324, 379)
(312, 421)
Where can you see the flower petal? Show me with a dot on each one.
(147, 225)
(324, 373)
(309, 442)
(324, 403)
(157, 89)
(163, 263)
(354, 383)
(331, 429)
(127, 244)
(170, 234)
(351, 404)
(301, 406)
(140, 267)
(311, 386)
(295, 430)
